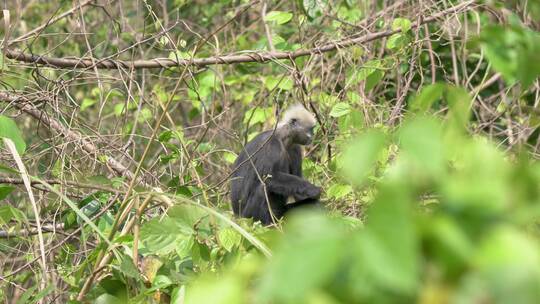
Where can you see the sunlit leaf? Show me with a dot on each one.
(338, 191)
(402, 24)
(229, 238)
(278, 17)
(340, 109)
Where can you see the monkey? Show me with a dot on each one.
(268, 171)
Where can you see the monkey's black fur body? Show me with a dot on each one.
(276, 159)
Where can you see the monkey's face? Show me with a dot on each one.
(301, 132)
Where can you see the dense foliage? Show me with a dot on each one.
(120, 121)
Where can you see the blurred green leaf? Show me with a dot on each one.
(509, 264)
(87, 102)
(301, 261)
(228, 289)
(402, 24)
(395, 41)
(360, 155)
(389, 246)
(459, 102)
(421, 142)
(513, 51)
(427, 97)
(314, 8)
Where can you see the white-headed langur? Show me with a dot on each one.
(268, 171)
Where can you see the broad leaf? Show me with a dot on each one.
(8, 129)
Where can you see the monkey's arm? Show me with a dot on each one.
(288, 184)
(308, 201)
(295, 161)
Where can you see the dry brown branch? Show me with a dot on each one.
(40, 28)
(31, 231)
(25, 104)
(225, 59)
(18, 181)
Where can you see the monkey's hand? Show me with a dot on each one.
(310, 191)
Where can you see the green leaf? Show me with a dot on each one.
(373, 80)
(8, 170)
(421, 142)
(128, 268)
(87, 102)
(40, 295)
(508, 261)
(226, 289)
(314, 8)
(257, 115)
(395, 41)
(160, 236)
(340, 109)
(283, 83)
(187, 216)
(459, 102)
(389, 246)
(360, 156)
(352, 121)
(229, 238)
(313, 245)
(278, 16)
(367, 69)
(9, 213)
(8, 129)
(229, 157)
(513, 51)
(26, 296)
(338, 191)
(427, 97)
(184, 247)
(107, 299)
(5, 190)
(161, 281)
(401, 24)
(178, 295)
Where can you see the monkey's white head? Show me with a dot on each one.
(298, 124)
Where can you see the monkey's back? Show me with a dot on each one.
(266, 156)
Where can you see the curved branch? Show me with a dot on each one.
(262, 57)
(24, 104)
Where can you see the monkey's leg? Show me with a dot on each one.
(263, 207)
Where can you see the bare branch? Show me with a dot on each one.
(225, 59)
(24, 104)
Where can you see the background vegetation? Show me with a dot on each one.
(120, 121)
